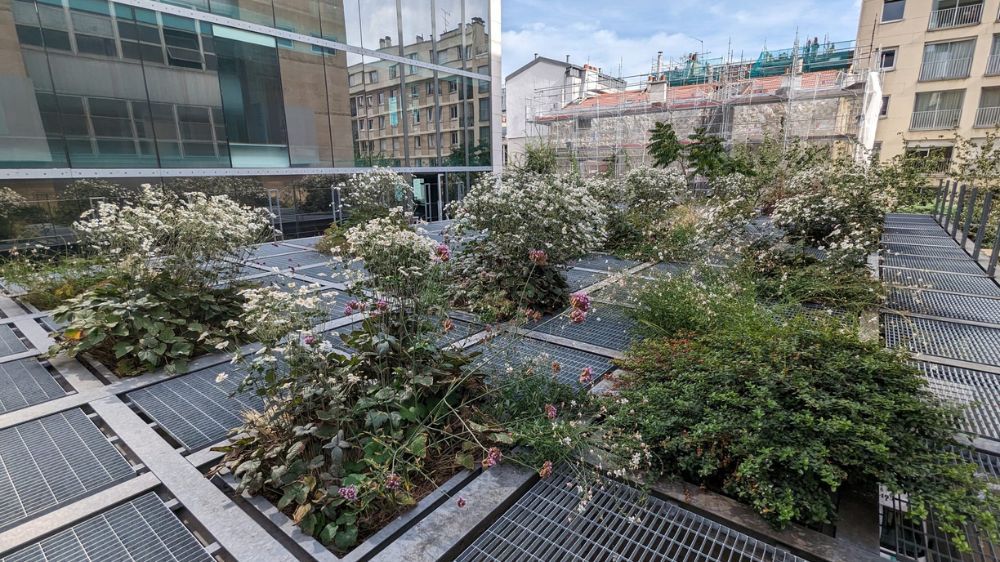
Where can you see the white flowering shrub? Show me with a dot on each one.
(526, 224)
(398, 258)
(837, 207)
(373, 193)
(723, 221)
(10, 202)
(654, 189)
(193, 240)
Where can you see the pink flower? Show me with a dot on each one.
(586, 375)
(348, 310)
(538, 257)
(352, 307)
(577, 316)
(349, 493)
(309, 340)
(546, 470)
(556, 367)
(460, 502)
(493, 458)
(393, 482)
(443, 252)
(447, 325)
(580, 301)
(550, 411)
(382, 305)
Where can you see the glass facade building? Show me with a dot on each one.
(140, 91)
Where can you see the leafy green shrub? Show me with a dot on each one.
(783, 413)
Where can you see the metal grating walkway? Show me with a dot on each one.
(581, 278)
(290, 261)
(51, 461)
(976, 392)
(920, 240)
(142, 530)
(618, 523)
(966, 266)
(10, 342)
(196, 410)
(26, 382)
(604, 262)
(509, 353)
(606, 326)
(925, 251)
(944, 305)
(929, 230)
(963, 342)
(941, 282)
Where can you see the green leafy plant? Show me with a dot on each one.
(46, 279)
(706, 155)
(664, 146)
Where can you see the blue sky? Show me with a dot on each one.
(628, 33)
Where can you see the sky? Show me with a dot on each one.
(628, 33)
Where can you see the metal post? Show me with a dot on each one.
(983, 222)
(957, 217)
(968, 215)
(939, 198)
(992, 269)
(951, 205)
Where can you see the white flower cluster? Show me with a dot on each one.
(521, 213)
(270, 313)
(654, 189)
(377, 190)
(734, 204)
(10, 201)
(392, 252)
(187, 238)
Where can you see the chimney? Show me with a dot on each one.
(659, 63)
(420, 38)
(536, 55)
(388, 41)
(567, 59)
(381, 42)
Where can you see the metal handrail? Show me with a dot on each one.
(987, 117)
(948, 69)
(955, 17)
(935, 119)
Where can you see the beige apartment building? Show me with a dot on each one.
(940, 63)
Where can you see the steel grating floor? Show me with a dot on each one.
(931, 303)
(462, 329)
(976, 392)
(624, 291)
(618, 523)
(963, 342)
(925, 251)
(26, 382)
(331, 271)
(10, 342)
(508, 353)
(580, 278)
(966, 266)
(917, 231)
(604, 262)
(196, 410)
(941, 282)
(290, 261)
(606, 325)
(271, 249)
(939, 241)
(52, 461)
(140, 530)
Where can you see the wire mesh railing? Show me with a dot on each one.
(967, 215)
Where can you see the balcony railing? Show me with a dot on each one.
(946, 69)
(935, 119)
(988, 117)
(955, 17)
(993, 65)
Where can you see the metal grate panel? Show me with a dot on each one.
(974, 309)
(333, 272)
(508, 353)
(548, 523)
(579, 278)
(51, 461)
(974, 344)
(271, 249)
(290, 261)
(976, 392)
(140, 530)
(196, 410)
(606, 325)
(462, 329)
(966, 266)
(925, 251)
(917, 231)
(665, 270)
(604, 262)
(926, 541)
(26, 382)
(10, 342)
(625, 291)
(941, 282)
(942, 241)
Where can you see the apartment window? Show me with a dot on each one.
(414, 92)
(453, 111)
(938, 157)
(416, 116)
(373, 77)
(955, 13)
(430, 114)
(988, 113)
(892, 10)
(993, 65)
(946, 61)
(381, 122)
(452, 86)
(361, 125)
(411, 70)
(356, 79)
(484, 110)
(371, 124)
(885, 107)
(416, 142)
(430, 88)
(937, 110)
(454, 138)
(431, 141)
(381, 98)
(887, 59)
(381, 146)
(370, 98)
(394, 72)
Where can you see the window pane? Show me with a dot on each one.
(307, 111)
(893, 10)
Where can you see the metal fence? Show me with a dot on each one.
(967, 214)
(955, 17)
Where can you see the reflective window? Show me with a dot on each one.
(307, 112)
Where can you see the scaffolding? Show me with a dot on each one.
(810, 93)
